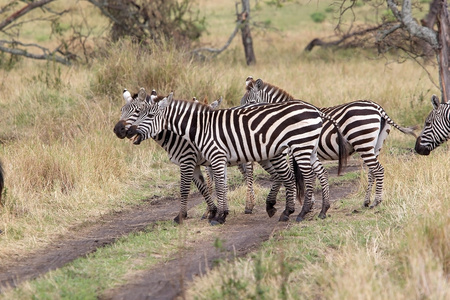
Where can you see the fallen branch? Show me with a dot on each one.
(345, 37)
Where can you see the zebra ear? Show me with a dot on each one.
(435, 101)
(127, 96)
(166, 101)
(142, 95)
(259, 83)
(153, 96)
(249, 80)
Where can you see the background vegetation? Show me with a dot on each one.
(65, 167)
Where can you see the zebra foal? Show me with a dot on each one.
(365, 125)
(240, 135)
(437, 128)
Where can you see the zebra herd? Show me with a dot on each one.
(269, 126)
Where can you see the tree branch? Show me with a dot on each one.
(47, 55)
(23, 11)
(219, 50)
(405, 17)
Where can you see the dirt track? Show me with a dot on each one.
(163, 281)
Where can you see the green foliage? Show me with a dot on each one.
(318, 17)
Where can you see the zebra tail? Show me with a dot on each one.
(299, 181)
(2, 182)
(343, 151)
(342, 142)
(405, 130)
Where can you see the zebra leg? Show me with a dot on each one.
(219, 168)
(202, 186)
(187, 173)
(247, 171)
(370, 179)
(274, 189)
(322, 174)
(378, 173)
(287, 177)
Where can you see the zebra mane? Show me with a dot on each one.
(268, 87)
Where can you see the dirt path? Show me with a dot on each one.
(243, 235)
(79, 243)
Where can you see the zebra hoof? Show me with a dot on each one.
(178, 219)
(214, 222)
(283, 218)
(212, 214)
(366, 204)
(299, 219)
(271, 211)
(248, 211)
(322, 215)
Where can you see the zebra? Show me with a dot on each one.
(130, 112)
(180, 151)
(257, 132)
(437, 128)
(364, 123)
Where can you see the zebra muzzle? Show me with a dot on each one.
(420, 149)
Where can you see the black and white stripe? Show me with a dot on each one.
(180, 151)
(258, 132)
(364, 124)
(437, 128)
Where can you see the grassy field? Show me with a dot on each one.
(64, 167)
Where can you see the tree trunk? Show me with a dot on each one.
(244, 17)
(443, 53)
(429, 21)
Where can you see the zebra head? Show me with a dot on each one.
(437, 128)
(129, 112)
(149, 122)
(254, 91)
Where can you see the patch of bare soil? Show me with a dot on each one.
(240, 235)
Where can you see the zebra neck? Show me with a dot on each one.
(188, 120)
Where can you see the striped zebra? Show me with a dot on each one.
(364, 123)
(437, 128)
(180, 151)
(186, 155)
(232, 136)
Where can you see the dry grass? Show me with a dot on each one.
(65, 167)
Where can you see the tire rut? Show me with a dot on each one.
(79, 243)
(241, 235)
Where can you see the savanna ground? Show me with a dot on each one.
(69, 177)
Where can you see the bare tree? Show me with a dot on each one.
(242, 24)
(402, 32)
(247, 41)
(438, 40)
(10, 41)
